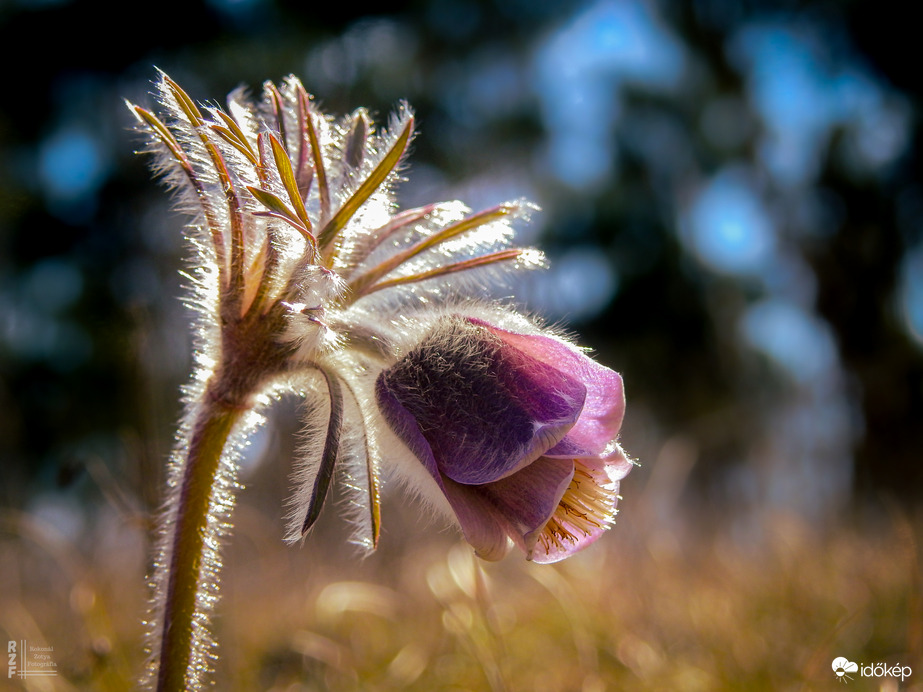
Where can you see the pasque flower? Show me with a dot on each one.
(308, 280)
(517, 429)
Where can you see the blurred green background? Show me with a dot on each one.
(732, 206)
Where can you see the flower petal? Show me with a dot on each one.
(529, 497)
(517, 506)
(616, 465)
(485, 408)
(587, 508)
(405, 426)
(604, 406)
(484, 528)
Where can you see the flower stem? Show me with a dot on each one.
(213, 426)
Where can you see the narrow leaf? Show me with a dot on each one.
(192, 112)
(272, 202)
(318, 156)
(329, 455)
(278, 209)
(374, 493)
(278, 109)
(185, 103)
(287, 174)
(238, 133)
(304, 173)
(356, 139)
(229, 137)
(165, 136)
(169, 141)
(359, 285)
(236, 272)
(372, 489)
(368, 186)
(492, 258)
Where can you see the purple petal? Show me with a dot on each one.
(530, 496)
(604, 406)
(544, 554)
(487, 409)
(484, 528)
(405, 426)
(606, 474)
(517, 506)
(615, 465)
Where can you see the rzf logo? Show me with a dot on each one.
(11, 650)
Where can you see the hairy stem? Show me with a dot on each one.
(215, 422)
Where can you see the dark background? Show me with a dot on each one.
(731, 204)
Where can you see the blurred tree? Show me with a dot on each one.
(730, 196)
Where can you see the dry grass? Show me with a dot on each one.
(657, 604)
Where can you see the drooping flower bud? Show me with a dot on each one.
(517, 430)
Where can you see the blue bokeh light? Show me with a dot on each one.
(579, 284)
(729, 227)
(802, 100)
(799, 342)
(910, 296)
(72, 166)
(578, 73)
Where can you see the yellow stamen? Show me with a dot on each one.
(587, 506)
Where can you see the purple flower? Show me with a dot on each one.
(518, 430)
(309, 280)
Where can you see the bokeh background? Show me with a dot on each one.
(732, 204)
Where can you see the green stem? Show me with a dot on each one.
(213, 426)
